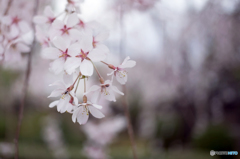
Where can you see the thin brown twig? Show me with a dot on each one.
(25, 87)
(85, 85)
(96, 70)
(8, 7)
(104, 62)
(77, 85)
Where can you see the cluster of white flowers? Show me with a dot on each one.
(74, 46)
(15, 33)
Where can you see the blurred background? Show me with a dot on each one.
(183, 94)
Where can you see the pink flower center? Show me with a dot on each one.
(70, 2)
(51, 20)
(65, 54)
(65, 30)
(94, 43)
(15, 20)
(81, 23)
(82, 55)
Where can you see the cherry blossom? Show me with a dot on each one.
(47, 18)
(73, 5)
(87, 27)
(106, 90)
(59, 28)
(67, 100)
(60, 53)
(100, 35)
(42, 37)
(81, 113)
(16, 21)
(13, 52)
(119, 72)
(84, 57)
(74, 46)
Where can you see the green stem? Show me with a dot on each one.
(77, 85)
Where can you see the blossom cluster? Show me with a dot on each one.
(74, 46)
(16, 33)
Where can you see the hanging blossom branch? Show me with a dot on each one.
(74, 46)
(25, 87)
(8, 7)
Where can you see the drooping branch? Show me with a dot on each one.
(8, 7)
(25, 88)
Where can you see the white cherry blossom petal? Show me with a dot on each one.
(83, 116)
(128, 64)
(86, 68)
(103, 48)
(61, 43)
(7, 20)
(109, 74)
(103, 35)
(86, 42)
(24, 27)
(67, 106)
(93, 89)
(71, 64)
(59, 84)
(74, 49)
(109, 95)
(76, 112)
(75, 34)
(54, 103)
(68, 80)
(115, 89)
(95, 112)
(56, 93)
(120, 78)
(70, 108)
(61, 104)
(51, 53)
(97, 55)
(48, 12)
(97, 106)
(22, 47)
(57, 65)
(72, 20)
(40, 19)
(95, 96)
(57, 24)
(125, 60)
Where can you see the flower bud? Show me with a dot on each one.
(111, 66)
(101, 80)
(84, 99)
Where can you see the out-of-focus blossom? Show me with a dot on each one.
(47, 18)
(42, 37)
(73, 5)
(13, 38)
(95, 152)
(53, 137)
(103, 133)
